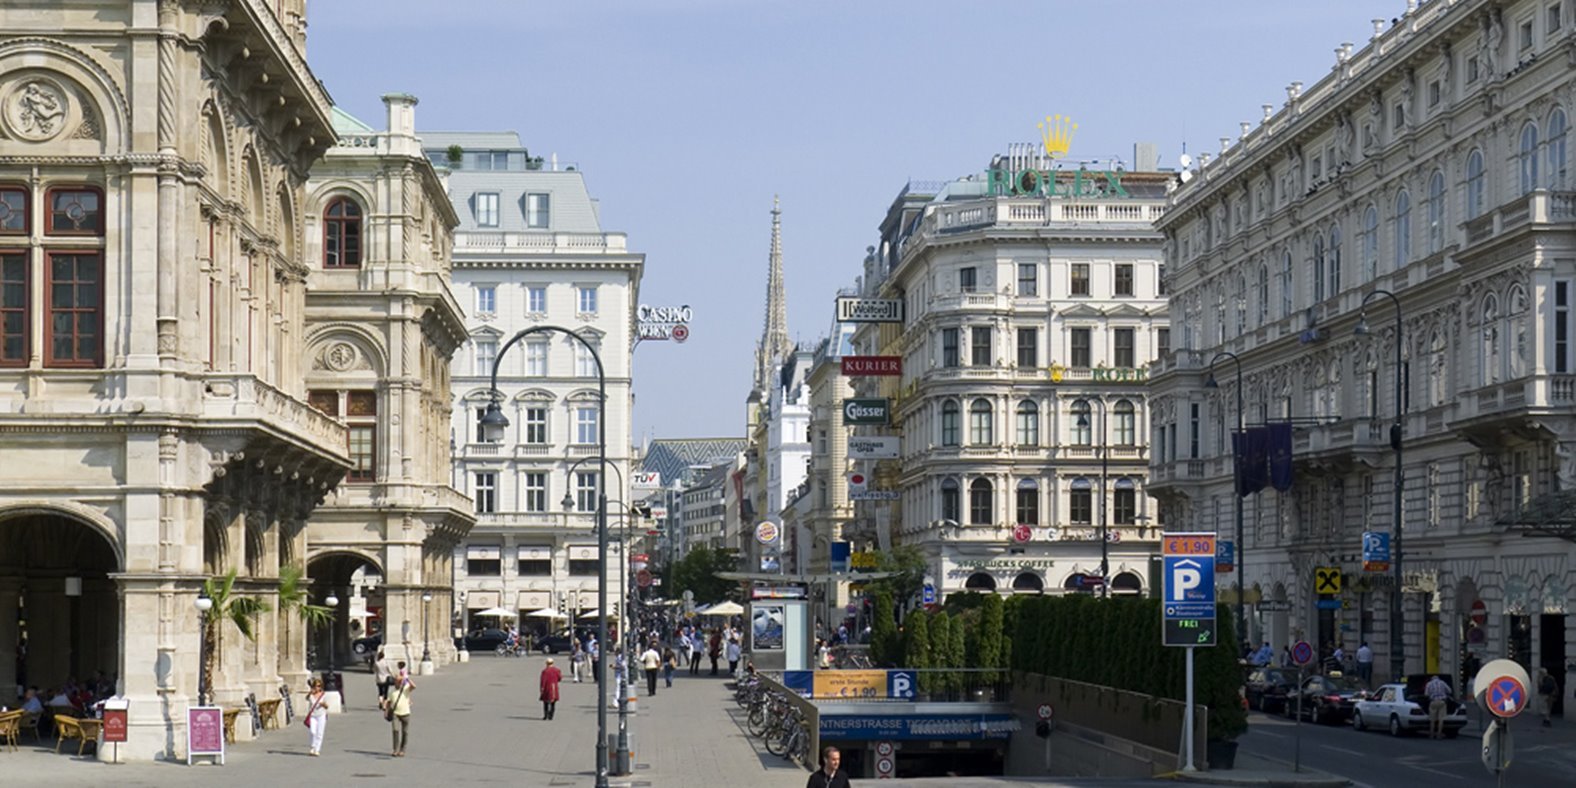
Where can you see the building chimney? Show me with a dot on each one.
(401, 114)
(1146, 157)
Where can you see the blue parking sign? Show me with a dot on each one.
(1225, 555)
(1376, 551)
(1189, 586)
(928, 595)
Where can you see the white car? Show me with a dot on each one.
(1398, 710)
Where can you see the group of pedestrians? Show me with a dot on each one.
(394, 695)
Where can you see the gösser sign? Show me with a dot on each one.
(866, 411)
(884, 447)
(869, 310)
(663, 322)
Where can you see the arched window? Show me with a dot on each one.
(1520, 355)
(1335, 260)
(1028, 583)
(1083, 426)
(1527, 158)
(980, 581)
(1028, 502)
(1370, 243)
(1285, 285)
(1488, 353)
(1028, 423)
(342, 234)
(1556, 146)
(949, 423)
(1264, 293)
(1436, 212)
(1242, 304)
(950, 504)
(1125, 422)
(1318, 268)
(980, 494)
(980, 432)
(1476, 185)
(1403, 229)
(1436, 369)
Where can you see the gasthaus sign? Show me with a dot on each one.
(883, 447)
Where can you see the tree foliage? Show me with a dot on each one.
(908, 563)
(883, 629)
(916, 641)
(697, 572)
(940, 657)
(241, 611)
(988, 650)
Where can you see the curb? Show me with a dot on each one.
(1266, 781)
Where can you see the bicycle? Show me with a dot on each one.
(763, 712)
(790, 724)
(516, 649)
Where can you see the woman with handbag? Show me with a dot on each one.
(398, 711)
(316, 719)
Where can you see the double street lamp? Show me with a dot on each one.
(1397, 626)
(1236, 451)
(493, 424)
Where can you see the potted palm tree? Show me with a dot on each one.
(225, 605)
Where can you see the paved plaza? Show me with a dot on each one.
(475, 723)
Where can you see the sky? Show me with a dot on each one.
(688, 116)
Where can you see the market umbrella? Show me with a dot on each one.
(595, 613)
(496, 611)
(546, 612)
(724, 609)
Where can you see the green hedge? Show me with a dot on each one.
(1116, 643)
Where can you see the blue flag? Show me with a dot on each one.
(1280, 455)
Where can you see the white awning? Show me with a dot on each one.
(483, 552)
(536, 553)
(535, 600)
(578, 552)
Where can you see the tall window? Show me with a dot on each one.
(1476, 186)
(585, 362)
(1028, 423)
(1264, 293)
(1436, 212)
(1403, 229)
(487, 209)
(485, 491)
(536, 425)
(1123, 281)
(1082, 423)
(536, 492)
(968, 279)
(1488, 356)
(536, 300)
(980, 432)
(1160, 280)
(486, 299)
(1028, 279)
(1562, 327)
(73, 279)
(486, 353)
(14, 298)
(1080, 280)
(1080, 503)
(1528, 158)
(979, 346)
(1028, 348)
(536, 358)
(1125, 423)
(586, 425)
(536, 211)
(1028, 503)
(483, 561)
(1370, 242)
(1122, 348)
(980, 494)
(1285, 285)
(359, 410)
(481, 430)
(342, 234)
(1318, 268)
(1193, 429)
(585, 491)
(1556, 148)
(1437, 378)
(1080, 347)
(1162, 343)
(949, 423)
(1335, 260)
(949, 347)
(1124, 503)
(951, 506)
(586, 300)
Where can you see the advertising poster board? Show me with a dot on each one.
(204, 732)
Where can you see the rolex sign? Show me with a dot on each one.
(876, 410)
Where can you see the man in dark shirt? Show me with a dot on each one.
(829, 776)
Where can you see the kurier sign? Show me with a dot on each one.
(869, 310)
(889, 366)
(883, 447)
(869, 410)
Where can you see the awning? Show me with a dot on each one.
(534, 600)
(478, 552)
(480, 600)
(535, 553)
(579, 552)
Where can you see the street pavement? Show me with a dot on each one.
(1543, 756)
(473, 724)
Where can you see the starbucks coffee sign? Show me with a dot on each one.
(870, 410)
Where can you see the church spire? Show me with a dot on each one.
(774, 344)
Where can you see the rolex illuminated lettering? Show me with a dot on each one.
(1056, 135)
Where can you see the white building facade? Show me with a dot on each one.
(1031, 315)
(530, 251)
(1430, 164)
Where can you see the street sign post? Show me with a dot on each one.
(1302, 653)
(1502, 688)
(1225, 556)
(1376, 551)
(1188, 605)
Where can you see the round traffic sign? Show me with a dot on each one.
(884, 767)
(1302, 653)
(1046, 711)
(883, 748)
(1479, 612)
(1022, 533)
(643, 578)
(1507, 697)
(680, 332)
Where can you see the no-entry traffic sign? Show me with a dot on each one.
(1302, 653)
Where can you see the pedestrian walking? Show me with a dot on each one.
(594, 654)
(1365, 664)
(1438, 693)
(651, 661)
(694, 649)
(714, 649)
(380, 673)
(549, 684)
(398, 711)
(670, 663)
(1548, 688)
(316, 715)
(733, 656)
(829, 775)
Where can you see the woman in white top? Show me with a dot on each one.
(733, 656)
(316, 715)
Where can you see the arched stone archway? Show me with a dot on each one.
(63, 608)
(350, 582)
(1028, 583)
(980, 581)
(1127, 583)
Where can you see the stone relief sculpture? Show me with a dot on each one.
(36, 110)
(1488, 50)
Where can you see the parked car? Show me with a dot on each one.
(560, 643)
(1268, 688)
(1403, 708)
(367, 648)
(1327, 699)
(484, 639)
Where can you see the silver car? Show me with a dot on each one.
(1398, 710)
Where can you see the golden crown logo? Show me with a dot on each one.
(1059, 136)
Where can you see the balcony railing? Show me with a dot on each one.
(482, 242)
(242, 396)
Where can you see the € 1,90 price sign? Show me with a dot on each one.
(1188, 596)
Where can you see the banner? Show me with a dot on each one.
(852, 684)
(1251, 450)
(1280, 455)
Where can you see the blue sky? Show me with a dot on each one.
(687, 116)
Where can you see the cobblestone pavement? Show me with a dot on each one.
(473, 724)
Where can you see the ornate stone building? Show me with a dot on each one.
(382, 326)
(153, 289)
(1431, 164)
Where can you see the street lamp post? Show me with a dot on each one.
(1397, 626)
(1105, 542)
(333, 645)
(621, 754)
(493, 424)
(1241, 549)
(426, 655)
(203, 604)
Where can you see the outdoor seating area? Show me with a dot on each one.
(84, 731)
